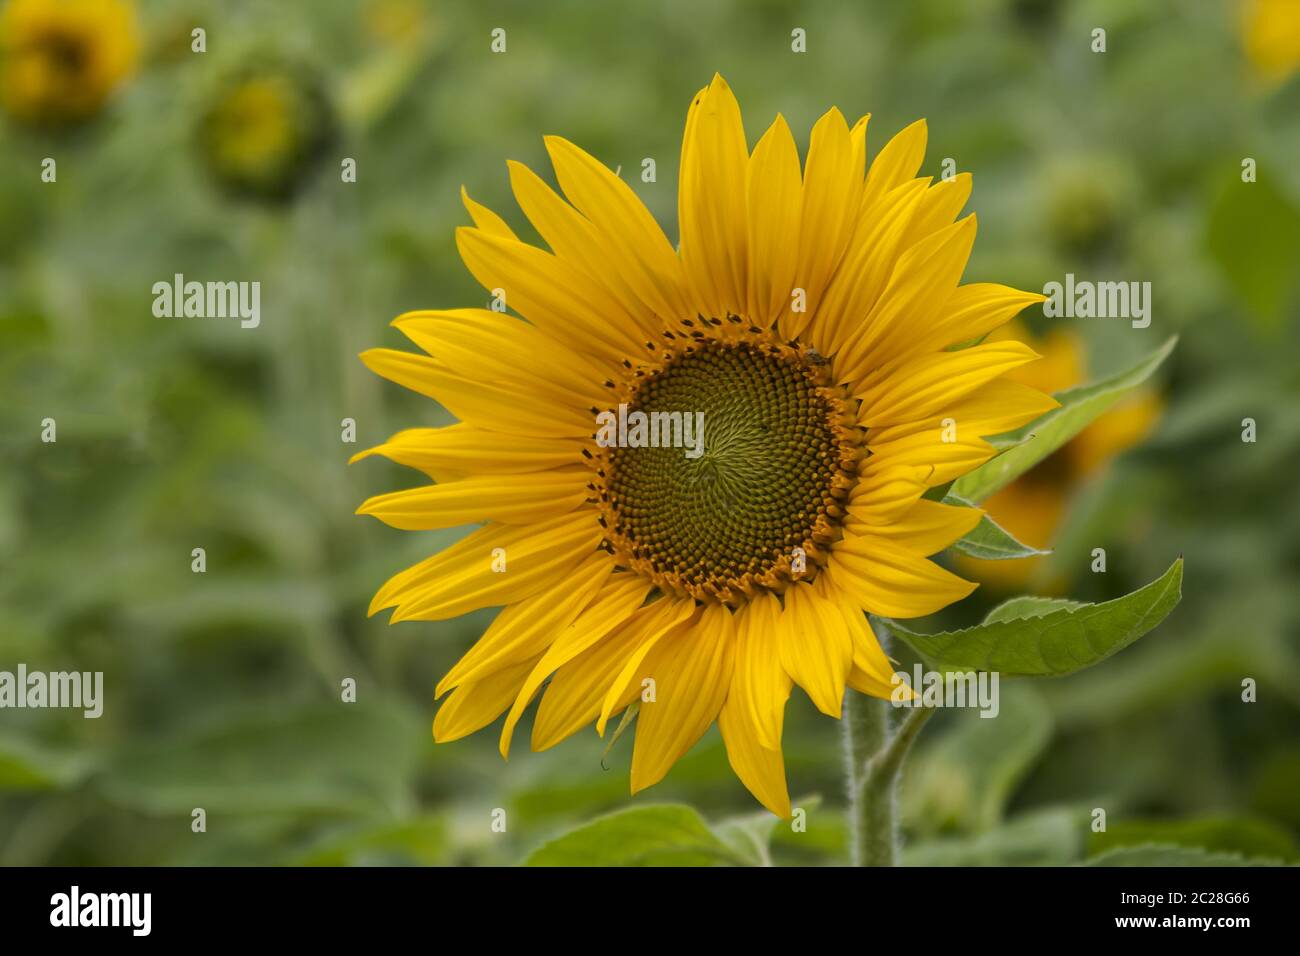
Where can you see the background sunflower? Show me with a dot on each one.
(1033, 506)
(223, 689)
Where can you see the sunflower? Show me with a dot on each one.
(1032, 506)
(266, 129)
(1271, 37)
(62, 59)
(810, 317)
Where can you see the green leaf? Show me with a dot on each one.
(938, 492)
(1053, 837)
(750, 834)
(1249, 836)
(1158, 854)
(1079, 408)
(1054, 643)
(1253, 235)
(988, 539)
(1028, 606)
(423, 841)
(662, 835)
(28, 765)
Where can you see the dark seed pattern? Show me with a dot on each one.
(779, 454)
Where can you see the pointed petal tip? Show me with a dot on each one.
(638, 782)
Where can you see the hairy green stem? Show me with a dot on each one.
(873, 759)
(865, 725)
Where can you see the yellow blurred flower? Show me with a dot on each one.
(1271, 36)
(60, 60)
(400, 24)
(265, 130)
(1031, 508)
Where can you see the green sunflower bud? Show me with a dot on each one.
(266, 130)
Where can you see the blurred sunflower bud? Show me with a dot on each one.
(61, 60)
(1035, 14)
(265, 130)
(1033, 506)
(1270, 34)
(1084, 201)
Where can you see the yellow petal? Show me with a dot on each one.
(509, 499)
(992, 409)
(574, 239)
(577, 690)
(923, 279)
(711, 201)
(760, 684)
(972, 312)
(527, 628)
(927, 527)
(943, 460)
(898, 162)
(621, 596)
(860, 279)
(906, 390)
(872, 673)
(651, 624)
(775, 199)
(496, 406)
(478, 343)
(691, 668)
(761, 769)
(832, 189)
(638, 248)
(471, 707)
(882, 494)
(456, 451)
(814, 646)
(887, 580)
(941, 204)
(463, 577)
(550, 293)
(485, 219)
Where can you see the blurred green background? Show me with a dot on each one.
(222, 689)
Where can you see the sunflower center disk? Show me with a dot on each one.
(754, 505)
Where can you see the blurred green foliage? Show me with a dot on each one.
(222, 689)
